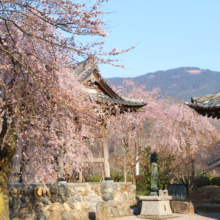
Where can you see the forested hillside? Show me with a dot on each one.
(182, 83)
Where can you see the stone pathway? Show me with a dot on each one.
(197, 216)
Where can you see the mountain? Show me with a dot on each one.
(182, 83)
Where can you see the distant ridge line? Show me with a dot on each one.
(181, 82)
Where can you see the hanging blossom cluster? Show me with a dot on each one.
(182, 131)
(45, 106)
(126, 131)
(167, 126)
(42, 104)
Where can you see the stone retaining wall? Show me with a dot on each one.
(70, 201)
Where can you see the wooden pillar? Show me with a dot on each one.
(80, 177)
(106, 154)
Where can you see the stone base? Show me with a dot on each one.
(155, 207)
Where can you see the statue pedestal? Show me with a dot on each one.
(155, 207)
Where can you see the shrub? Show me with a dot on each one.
(129, 178)
(215, 181)
(202, 181)
(117, 177)
(141, 183)
(93, 178)
(166, 167)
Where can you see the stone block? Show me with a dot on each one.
(86, 198)
(61, 199)
(79, 214)
(44, 191)
(117, 195)
(114, 212)
(127, 211)
(86, 205)
(70, 198)
(39, 207)
(66, 216)
(103, 212)
(118, 187)
(96, 188)
(48, 192)
(78, 198)
(132, 189)
(133, 202)
(112, 203)
(54, 190)
(121, 211)
(66, 207)
(182, 207)
(73, 191)
(81, 190)
(123, 197)
(77, 205)
(62, 191)
(53, 198)
(46, 214)
(39, 191)
(46, 201)
(41, 217)
(109, 188)
(107, 197)
(55, 215)
(46, 208)
(56, 206)
(132, 196)
(70, 204)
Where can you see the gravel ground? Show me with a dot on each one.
(197, 216)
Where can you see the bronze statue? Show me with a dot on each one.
(154, 175)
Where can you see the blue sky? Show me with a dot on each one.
(169, 34)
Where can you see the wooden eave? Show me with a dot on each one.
(208, 105)
(105, 86)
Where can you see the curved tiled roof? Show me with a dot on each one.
(107, 99)
(83, 69)
(206, 105)
(105, 93)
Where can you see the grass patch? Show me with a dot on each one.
(142, 193)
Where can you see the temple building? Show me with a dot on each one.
(88, 74)
(208, 105)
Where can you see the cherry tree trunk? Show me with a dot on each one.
(125, 174)
(106, 155)
(133, 175)
(6, 165)
(192, 182)
(8, 141)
